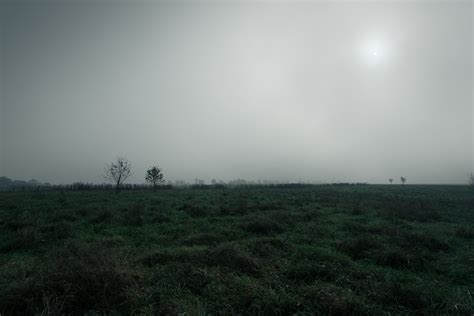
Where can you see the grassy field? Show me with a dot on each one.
(308, 250)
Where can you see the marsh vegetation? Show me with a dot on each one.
(271, 250)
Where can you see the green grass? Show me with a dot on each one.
(308, 250)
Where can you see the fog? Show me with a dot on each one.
(290, 91)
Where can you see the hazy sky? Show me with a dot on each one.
(311, 91)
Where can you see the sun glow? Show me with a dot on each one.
(375, 52)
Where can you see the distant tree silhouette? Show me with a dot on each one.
(390, 180)
(403, 180)
(471, 179)
(154, 176)
(4, 181)
(117, 172)
(34, 182)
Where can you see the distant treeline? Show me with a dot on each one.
(7, 184)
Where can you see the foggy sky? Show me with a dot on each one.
(297, 91)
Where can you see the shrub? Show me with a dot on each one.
(133, 215)
(412, 210)
(400, 292)
(316, 270)
(227, 256)
(203, 239)
(332, 300)
(19, 220)
(234, 210)
(232, 257)
(262, 225)
(266, 247)
(158, 257)
(423, 240)
(30, 236)
(194, 210)
(187, 275)
(24, 238)
(356, 207)
(56, 231)
(357, 247)
(104, 215)
(398, 259)
(75, 279)
(355, 227)
(466, 232)
(160, 218)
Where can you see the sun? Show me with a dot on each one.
(374, 51)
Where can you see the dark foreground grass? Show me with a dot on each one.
(308, 250)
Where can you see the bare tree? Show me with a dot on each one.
(117, 172)
(403, 180)
(390, 180)
(471, 179)
(154, 176)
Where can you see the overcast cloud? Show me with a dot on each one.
(298, 91)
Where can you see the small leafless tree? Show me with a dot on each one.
(471, 179)
(117, 172)
(390, 180)
(403, 180)
(154, 176)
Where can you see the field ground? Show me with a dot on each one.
(364, 249)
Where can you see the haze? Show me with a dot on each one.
(289, 91)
